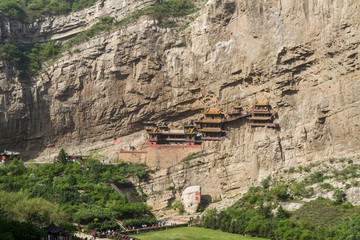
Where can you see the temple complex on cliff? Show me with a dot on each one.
(167, 147)
(210, 128)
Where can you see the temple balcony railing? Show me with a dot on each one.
(175, 139)
(211, 138)
(261, 111)
(210, 120)
(210, 129)
(274, 125)
(260, 118)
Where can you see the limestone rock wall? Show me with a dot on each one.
(302, 56)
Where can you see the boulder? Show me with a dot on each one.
(190, 198)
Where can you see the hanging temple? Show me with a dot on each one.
(211, 127)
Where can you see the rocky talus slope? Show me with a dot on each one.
(302, 56)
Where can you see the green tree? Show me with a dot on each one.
(15, 230)
(265, 183)
(339, 197)
(62, 157)
(282, 213)
(11, 10)
(348, 229)
(20, 207)
(280, 191)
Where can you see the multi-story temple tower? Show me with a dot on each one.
(262, 116)
(212, 126)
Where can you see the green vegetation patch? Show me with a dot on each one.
(139, 222)
(194, 155)
(22, 208)
(169, 9)
(177, 205)
(191, 233)
(323, 212)
(31, 9)
(104, 24)
(80, 192)
(11, 230)
(28, 60)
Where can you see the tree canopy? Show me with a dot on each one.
(77, 193)
(28, 10)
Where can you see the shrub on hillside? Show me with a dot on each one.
(265, 183)
(339, 197)
(281, 192)
(139, 222)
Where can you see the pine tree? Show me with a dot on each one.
(62, 158)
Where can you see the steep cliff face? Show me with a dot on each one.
(302, 56)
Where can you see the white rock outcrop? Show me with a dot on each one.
(191, 198)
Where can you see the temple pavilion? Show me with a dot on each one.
(212, 126)
(162, 135)
(262, 116)
(54, 232)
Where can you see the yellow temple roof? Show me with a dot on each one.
(210, 121)
(210, 130)
(262, 103)
(213, 111)
(192, 131)
(260, 118)
(154, 130)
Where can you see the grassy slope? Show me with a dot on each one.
(191, 233)
(321, 212)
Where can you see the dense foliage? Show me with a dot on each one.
(140, 221)
(22, 208)
(81, 192)
(28, 10)
(28, 60)
(169, 9)
(15, 230)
